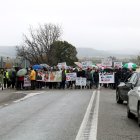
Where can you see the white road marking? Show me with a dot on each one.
(85, 120)
(28, 96)
(94, 126)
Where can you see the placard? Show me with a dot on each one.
(27, 82)
(118, 64)
(81, 81)
(86, 64)
(106, 78)
(107, 62)
(63, 64)
(71, 76)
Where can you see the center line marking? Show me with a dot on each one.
(80, 135)
(94, 125)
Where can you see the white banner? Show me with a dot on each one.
(106, 78)
(81, 81)
(118, 64)
(107, 62)
(71, 76)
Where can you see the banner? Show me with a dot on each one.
(107, 62)
(27, 82)
(118, 64)
(55, 76)
(81, 81)
(51, 76)
(71, 76)
(106, 78)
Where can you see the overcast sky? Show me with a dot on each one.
(99, 24)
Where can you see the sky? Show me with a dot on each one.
(98, 24)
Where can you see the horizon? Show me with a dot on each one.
(120, 49)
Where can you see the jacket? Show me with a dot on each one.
(33, 75)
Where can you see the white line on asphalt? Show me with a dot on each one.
(28, 96)
(85, 120)
(94, 126)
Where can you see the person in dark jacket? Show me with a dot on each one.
(13, 78)
(62, 84)
(96, 77)
(20, 83)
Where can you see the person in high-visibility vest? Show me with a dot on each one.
(6, 79)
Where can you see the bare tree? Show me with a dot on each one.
(36, 47)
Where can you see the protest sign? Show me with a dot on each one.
(27, 82)
(71, 76)
(81, 81)
(61, 65)
(107, 62)
(86, 64)
(118, 64)
(106, 78)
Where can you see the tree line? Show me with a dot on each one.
(43, 45)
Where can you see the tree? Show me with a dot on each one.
(36, 48)
(62, 51)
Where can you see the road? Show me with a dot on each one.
(113, 123)
(67, 115)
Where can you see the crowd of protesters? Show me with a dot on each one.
(11, 80)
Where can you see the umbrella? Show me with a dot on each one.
(94, 66)
(130, 65)
(78, 64)
(21, 72)
(45, 65)
(35, 67)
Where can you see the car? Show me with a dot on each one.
(133, 104)
(124, 87)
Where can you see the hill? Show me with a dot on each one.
(10, 51)
(89, 52)
(7, 51)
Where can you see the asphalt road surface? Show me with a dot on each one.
(67, 115)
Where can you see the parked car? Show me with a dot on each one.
(133, 106)
(124, 87)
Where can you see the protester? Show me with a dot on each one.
(5, 80)
(81, 73)
(33, 78)
(62, 84)
(96, 77)
(20, 85)
(13, 78)
(89, 78)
